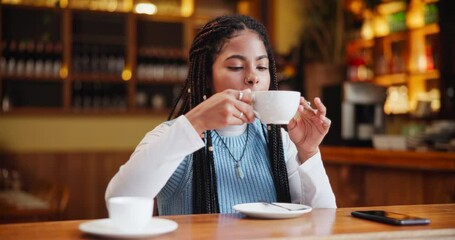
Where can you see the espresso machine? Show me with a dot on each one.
(356, 111)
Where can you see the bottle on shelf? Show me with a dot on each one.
(77, 95)
(111, 61)
(86, 95)
(94, 60)
(97, 96)
(21, 58)
(106, 98)
(6, 103)
(119, 61)
(48, 55)
(57, 59)
(103, 60)
(39, 61)
(4, 55)
(11, 58)
(30, 56)
(76, 61)
(85, 59)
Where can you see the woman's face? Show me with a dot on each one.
(242, 63)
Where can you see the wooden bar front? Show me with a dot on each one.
(369, 177)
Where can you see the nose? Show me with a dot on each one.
(251, 79)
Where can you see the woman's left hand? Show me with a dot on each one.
(308, 128)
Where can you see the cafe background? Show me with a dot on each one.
(82, 81)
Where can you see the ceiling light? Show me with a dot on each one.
(146, 8)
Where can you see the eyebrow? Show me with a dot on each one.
(244, 58)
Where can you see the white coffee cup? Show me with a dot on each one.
(130, 213)
(274, 106)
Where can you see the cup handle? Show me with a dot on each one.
(256, 114)
(253, 97)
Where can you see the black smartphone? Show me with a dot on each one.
(390, 217)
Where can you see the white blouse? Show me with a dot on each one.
(162, 150)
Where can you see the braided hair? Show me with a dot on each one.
(198, 86)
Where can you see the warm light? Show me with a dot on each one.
(63, 72)
(362, 73)
(356, 6)
(391, 7)
(126, 74)
(111, 6)
(187, 8)
(93, 5)
(12, 1)
(128, 5)
(415, 16)
(243, 7)
(146, 8)
(397, 100)
(380, 26)
(421, 63)
(367, 29)
(435, 96)
(63, 3)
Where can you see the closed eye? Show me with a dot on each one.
(262, 68)
(235, 68)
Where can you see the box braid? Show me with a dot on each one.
(198, 86)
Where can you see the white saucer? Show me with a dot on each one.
(104, 227)
(261, 210)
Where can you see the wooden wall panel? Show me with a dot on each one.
(85, 174)
(393, 186)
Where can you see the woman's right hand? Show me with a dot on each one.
(229, 107)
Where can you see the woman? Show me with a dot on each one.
(214, 154)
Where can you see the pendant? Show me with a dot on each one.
(239, 171)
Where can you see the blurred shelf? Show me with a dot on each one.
(403, 78)
(31, 78)
(432, 74)
(19, 111)
(100, 39)
(98, 78)
(431, 29)
(160, 82)
(391, 79)
(31, 7)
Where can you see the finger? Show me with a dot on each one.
(307, 107)
(240, 95)
(247, 110)
(247, 96)
(326, 122)
(237, 118)
(322, 110)
(292, 124)
(241, 116)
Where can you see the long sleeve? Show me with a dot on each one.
(155, 159)
(308, 182)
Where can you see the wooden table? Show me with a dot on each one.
(319, 224)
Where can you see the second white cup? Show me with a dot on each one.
(130, 213)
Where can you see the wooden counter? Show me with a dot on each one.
(318, 224)
(368, 177)
(438, 161)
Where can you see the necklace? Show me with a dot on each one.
(238, 167)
